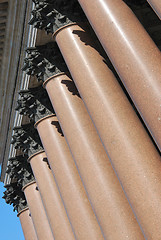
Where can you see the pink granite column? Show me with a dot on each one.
(76, 201)
(117, 124)
(129, 147)
(133, 54)
(52, 201)
(156, 5)
(36, 104)
(38, 213)
(101, 183)
(27, 224)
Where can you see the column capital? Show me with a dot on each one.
(14, 196)
(15, 165)
(34, 103)
(18, 168)
(44, 61)
(54, 14)
(26, 138)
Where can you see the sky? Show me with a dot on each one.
(10, 226)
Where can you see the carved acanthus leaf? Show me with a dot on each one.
(15, 165)
(34, 103)
(44, 61)
(18, 168)
(14, 196)
(26, 138)
(53, 14)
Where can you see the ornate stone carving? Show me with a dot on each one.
(15, 165)
(44, 61)
(14, 196)
(53, 14)
(34, 103)
(26, 138)
(18, 168)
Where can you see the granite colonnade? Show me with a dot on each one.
(104, 107)
(84, 143)
(74, 196)
(26, 138)
(133, 156)
(142, 154)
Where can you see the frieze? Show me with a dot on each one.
(34, 103)
(54, 14)
(44, 61)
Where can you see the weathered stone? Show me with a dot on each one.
(53, 14)
(34, 103)
(44, 61)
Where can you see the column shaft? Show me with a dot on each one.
(37, 210)
(101, 183)
(129, 147)
(156, 5)
(52, 201)
(27, 225)
(133, 54)
(79, 209)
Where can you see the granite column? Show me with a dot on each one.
(52, 201)
(134, 55)
(124, 137)
(131, 151)
(27, 224)
(14, 195)
(91, 159)
(156, 5)
(37, 210)
(76, 201)
(29, 141)
(26, 140)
